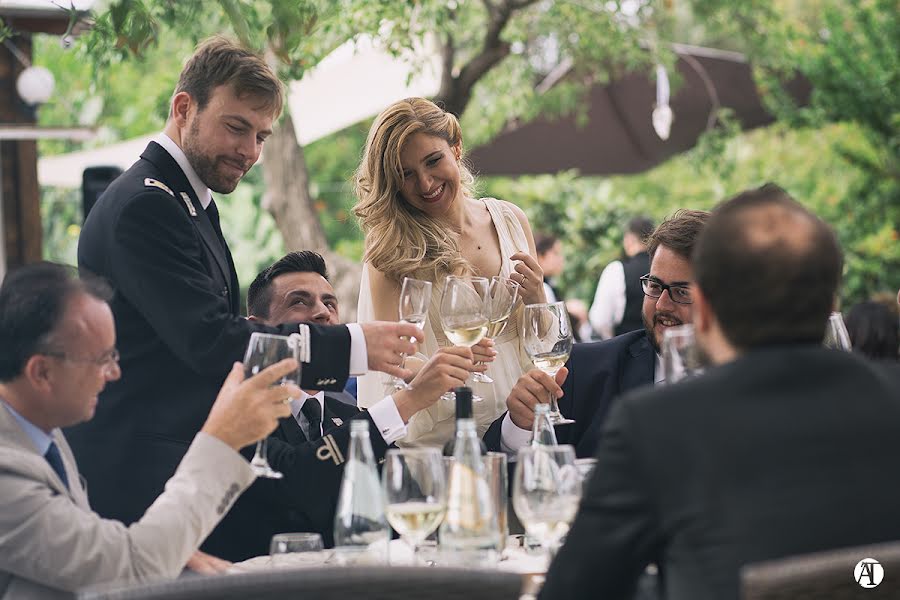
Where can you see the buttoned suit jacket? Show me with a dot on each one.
(52, 544)
(785, 451)
(599, 372)
(306, 498)
(178, 329)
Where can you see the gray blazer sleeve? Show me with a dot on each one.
(46, 538)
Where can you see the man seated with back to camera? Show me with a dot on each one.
(781, 448)
(59, 352)
(597, 373)
(310, 445)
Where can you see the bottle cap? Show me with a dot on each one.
(463, 402)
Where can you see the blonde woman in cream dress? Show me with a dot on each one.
(421, 220)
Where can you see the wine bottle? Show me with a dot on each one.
(542, 432)
(463, 411)
(359, 519)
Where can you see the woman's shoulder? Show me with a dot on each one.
(506, 207)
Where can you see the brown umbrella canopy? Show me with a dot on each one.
(619, 136)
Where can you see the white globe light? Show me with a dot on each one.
(35, 85)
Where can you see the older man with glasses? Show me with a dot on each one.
(599, 372)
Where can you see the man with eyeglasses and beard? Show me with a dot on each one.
(598, 373)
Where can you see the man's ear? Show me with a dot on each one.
(37, 372)
(182, 103)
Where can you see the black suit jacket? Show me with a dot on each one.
(178, 330)
(306, 498)
(599, 372)
(784, 451)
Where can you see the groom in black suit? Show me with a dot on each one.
(782, 448)
(310, 447)
(155, 236)
(598, 373)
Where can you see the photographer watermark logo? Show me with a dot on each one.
(868, 573)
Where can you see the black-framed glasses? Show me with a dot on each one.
(654, 288)
(107, 359)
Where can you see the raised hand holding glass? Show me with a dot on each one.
(547, 335)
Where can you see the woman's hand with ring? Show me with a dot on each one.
(530, 278)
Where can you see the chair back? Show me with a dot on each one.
(327, 583)
(827, 575)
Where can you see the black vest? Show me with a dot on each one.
(635, 267)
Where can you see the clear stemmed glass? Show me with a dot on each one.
(295, 549)
(546, 491)
(547, 335)
(415, 297)
(681, 356)
(503, 295)
(266, 349)
(464, 313)
(836, 335)
(415, 492)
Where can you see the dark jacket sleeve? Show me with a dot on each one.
(615, 534)
(158, 265)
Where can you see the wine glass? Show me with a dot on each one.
(266, 349)
(464, 314)
(286, 548)
(836, 335)
(415, 297)
(546, 491)
(503, 295)
(548, 340)
(415, 492)
(681, 355)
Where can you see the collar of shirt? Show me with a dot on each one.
(37, 436)
(297, 404)
(658, 375)
(200, 189)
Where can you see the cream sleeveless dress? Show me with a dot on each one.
(435, 425)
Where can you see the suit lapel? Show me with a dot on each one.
(638, 371)
(157, 155)
(336, 413)
(290, 431)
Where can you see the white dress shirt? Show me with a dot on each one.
(608, 306)
(384, 414)
(359, 358)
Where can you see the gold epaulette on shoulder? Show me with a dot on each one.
(150, 182)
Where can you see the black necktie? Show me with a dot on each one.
(55, 459)
(212, 212)
(313, 413)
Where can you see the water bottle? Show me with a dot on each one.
(469, 533)
(463, 396)
(542, 432)
(359, 520)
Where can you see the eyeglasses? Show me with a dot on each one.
(107, 359)
(654, 288)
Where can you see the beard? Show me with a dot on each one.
(208, 168)
(650, 327)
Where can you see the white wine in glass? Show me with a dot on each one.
(547, 335)
(415, 492)
(464, 314)
(264, 350)
(504, 293)
(415, 298)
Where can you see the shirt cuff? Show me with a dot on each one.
(359, 358)
(512, 437)
(387, 420)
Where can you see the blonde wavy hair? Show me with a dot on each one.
(401, 240)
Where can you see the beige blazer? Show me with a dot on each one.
(52, 544)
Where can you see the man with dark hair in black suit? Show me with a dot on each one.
(782, 448)
(598, 373)
(310, 446)
(155, 236)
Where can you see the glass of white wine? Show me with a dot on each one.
(415, 298)
(264, 350)
(464, 314)
(415, 493)
(547, 488)
(547, 335)
(503, 295)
